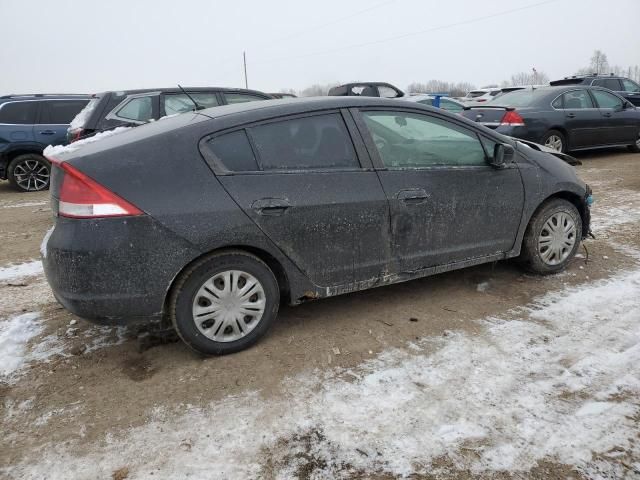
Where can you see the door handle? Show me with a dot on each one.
(571, 115)
(47, 132)
(271, 206)
(607, 114)
(413, 196)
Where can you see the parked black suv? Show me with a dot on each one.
(108, 110)
(28, 124)
(621, 85)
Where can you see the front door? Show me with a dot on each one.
(619, 124)
(54, 119)
(310, 192)
(447, 203)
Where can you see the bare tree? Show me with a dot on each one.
(526, 78)
(439, 86)
(317, 90)
(599, 62)
(288, 90)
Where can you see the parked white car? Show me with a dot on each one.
(481, 95)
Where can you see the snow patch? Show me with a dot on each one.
(15, 332)
(24, 204)
(55, 150)
(14, 272)
(45, 241)
(558, 380)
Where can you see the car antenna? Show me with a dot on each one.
(198, 107)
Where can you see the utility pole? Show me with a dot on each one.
(244, 58)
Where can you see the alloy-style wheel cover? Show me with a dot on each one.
(31, 175)
(555, 142)
(229, 305)
(557, 238)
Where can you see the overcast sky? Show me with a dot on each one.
(74, 46)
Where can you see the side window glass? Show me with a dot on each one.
(489, 146)
(606, 99)
(610, 83)
(387, 92)
(18, 113)
(60, 112)
(234, 151)
(316, 142)
(426, 101)
(180, 103)
(557, 103)
(630, 86)
(138, 109)
(408, 140)
(577, 99)
(450, 106)
(232, 98)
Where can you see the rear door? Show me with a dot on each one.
(54, 119)
(312, 191)
(619, 124)
(582, 119)
(16, 121)
(447, 203)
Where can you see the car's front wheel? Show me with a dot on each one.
(555, 140)
(635, 148)
(29, 172)
(552, 237)
(224, 303)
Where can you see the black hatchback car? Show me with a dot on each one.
(214, 218)
(109, 110)
(625, 87)
(565, 118)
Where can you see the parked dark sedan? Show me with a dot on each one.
(109, 110)
(564, 118)
(212, 218)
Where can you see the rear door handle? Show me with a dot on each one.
(607, 114)
(571, 115)
(412, 196)
(47, 132)
(271, 206)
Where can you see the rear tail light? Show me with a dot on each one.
(512, 118)
(83, 197)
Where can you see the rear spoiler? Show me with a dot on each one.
(567, 81)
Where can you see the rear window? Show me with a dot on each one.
(316, 142)
(18, 113)
(520, 98)
(234, 151)
(80, 120)
(610, 83)
(60, 112)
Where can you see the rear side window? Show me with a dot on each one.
(576, 99)
(138, 109)
(19, 113)
(234, 151)
(60, 112)
(606, 99)
(232, 98)
(179, 103)
(317, 142)
(610, 83)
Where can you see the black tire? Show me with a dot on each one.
(531, 256)
(29, 173)
(188, 285)
(557, 134)
(635, 148)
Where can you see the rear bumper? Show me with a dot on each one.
(114, 270)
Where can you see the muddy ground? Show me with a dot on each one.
(105, 380)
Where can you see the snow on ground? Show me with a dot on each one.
(10, 273)
(617, 207)
(557, 380)
(15, 332)
(54, 150)
(24, 204)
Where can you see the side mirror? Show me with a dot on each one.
(502, 155)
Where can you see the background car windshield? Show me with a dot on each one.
(407, 140)
(475, 94)
(519, 98)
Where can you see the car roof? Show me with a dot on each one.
(177, 90)
(43, 96)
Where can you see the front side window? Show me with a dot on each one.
(607, 100)
(180, 103)
(60, 112)
(610, 83)
(18, 113)
(232, 98)
(316, 142)
(630, 86)
(137, 109)
(577, 99)
(234, 151)
(409, 140)
(387, 92)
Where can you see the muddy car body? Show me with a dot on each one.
(305, 198)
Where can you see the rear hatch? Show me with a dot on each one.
(79, 125)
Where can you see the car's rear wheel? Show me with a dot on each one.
(635, 148)
(552, 237)
(556, 140)
(224, 303)
(29, 172)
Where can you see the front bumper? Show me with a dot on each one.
(113, 270)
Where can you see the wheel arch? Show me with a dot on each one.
(276, 267)
(575, 200)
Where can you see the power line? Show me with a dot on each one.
(410, 34)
